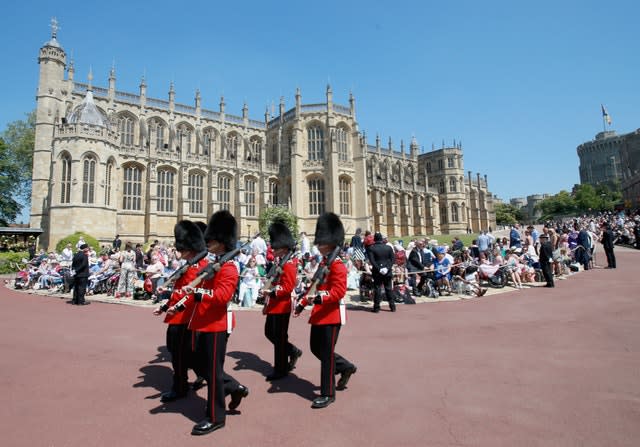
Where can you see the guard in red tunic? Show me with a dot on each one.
(190, 244)
(212, 321)
(328, 313)
(277, 297)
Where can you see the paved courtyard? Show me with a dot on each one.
(534, 367)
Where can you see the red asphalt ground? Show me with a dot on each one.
(535, 367)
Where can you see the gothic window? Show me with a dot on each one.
(255, 148)
(440, 164)
(195, 194)
(207, 142)
(132, 189)
(454, 212)
(316, 196)
(428, 167)
(65, 180)
(165, 190)
(107, 184)
(88, 179)
(315, 143)
(224, 192)
(250, 196)
(441, 189)
(451, 163)
(156, 134)
(452, 185)
(233, 141)
(125, 126)
(345, 196)
(443, 214)
(341, 142)
(273, 193)
(272, 156)
(184, 138)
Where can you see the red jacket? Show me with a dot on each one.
(210, 315)
(178, 294)
(336, 284)
(281, 302)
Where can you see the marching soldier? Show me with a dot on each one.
(278, 301)
(190, 244)
(212, 321)
(328, 312)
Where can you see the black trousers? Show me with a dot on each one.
(611, 258)
(79, 289)
(323, 342)
(210, 350)
(387, 283)
(276, 329)
(547, 272)
(179, 346)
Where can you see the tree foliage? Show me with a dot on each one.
(16, 155)
(73, 240)
(584, 199)
(275, 212)
(507, 214)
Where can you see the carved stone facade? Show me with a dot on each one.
(152, 162)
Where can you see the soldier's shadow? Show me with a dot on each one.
(159, 378)
(290, 384)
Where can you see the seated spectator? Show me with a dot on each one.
(442, 269)
(471, 281)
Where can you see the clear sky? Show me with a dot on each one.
(520, 84)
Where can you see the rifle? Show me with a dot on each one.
(183, 269)
(318, 278)
(274, 275)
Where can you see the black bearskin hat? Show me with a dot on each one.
(188, 236)
(222, 228)
(202, 226)
(329, 230)
(280, 236)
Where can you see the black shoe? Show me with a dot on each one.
(276, 376)
(393, 309)
(297, 353)
(322, 401)
(237, 395)
(84, 303)
(198, 383)
(375, 310)
(206, 426)
(170, 396)
(344, 378)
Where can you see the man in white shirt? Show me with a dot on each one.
(305, 245)
(259, 245)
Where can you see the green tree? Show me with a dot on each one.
(561, 204)
(507, 214)
(271, 213)
(16, 155)
(586, 198)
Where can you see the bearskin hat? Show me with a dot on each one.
(222, 228)
(188, 236)
(329, 230)
(280, 235)
(202, 226)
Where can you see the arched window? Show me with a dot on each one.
(272, 154)
(157, 133)
(250, 196)
(454, 212)
(233, 142)
(452, 184)
(341, 142)
(315, 143)
(132, 189)
(65, 179)
(224, 192)
(195, 194)
(443, 214)
(316, 196)
(165, 190)
(125, 126)
(428, 167)
(440, 164)
(255, 149)
(88, 179)
(451, 162)
(441, 189)
(345, 196)
(107, 184)
(184, 138)
(273, 193)
(207, 142)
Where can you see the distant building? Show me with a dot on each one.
(600, 159)
(109, 162)
(630, 167)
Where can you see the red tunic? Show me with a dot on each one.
(210, 315)
(336, 284)
(281, 302)
(178, 294)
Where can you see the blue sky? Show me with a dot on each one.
(519, 83)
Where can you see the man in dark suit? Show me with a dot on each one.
(608, 239)
(416, 264)
(381, 257)
(546, 258)
(80, 265)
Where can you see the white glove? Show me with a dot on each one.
(384, 271)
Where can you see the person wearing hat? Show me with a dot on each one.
(328, 313)
(80, 265)
(190, 243)
(381, 258)
(212, 321)
(546, 259)
(277, 306)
